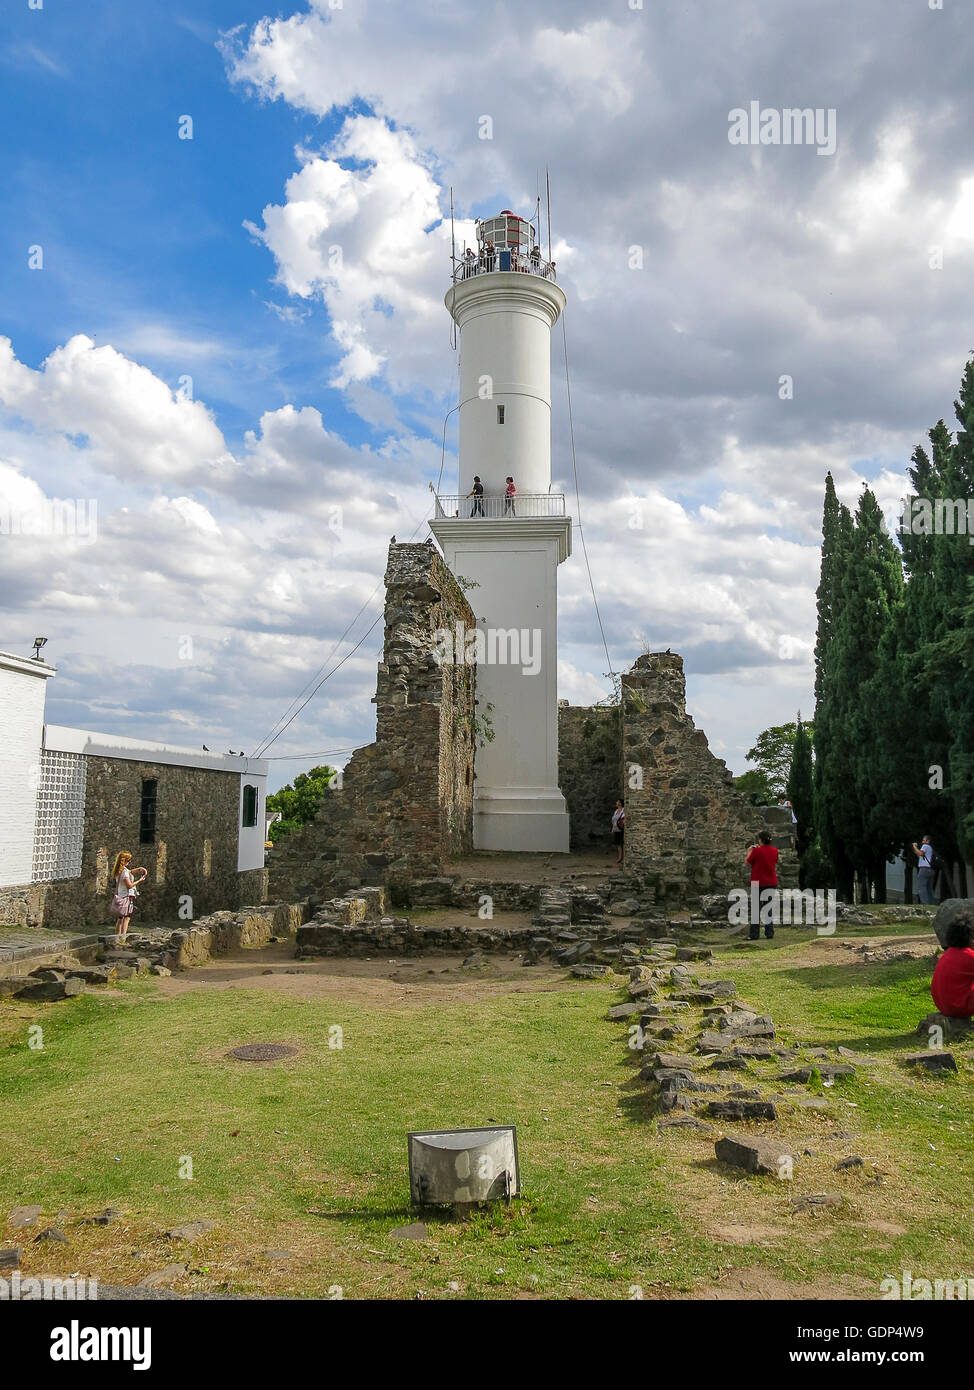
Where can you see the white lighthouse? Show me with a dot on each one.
(505, 301)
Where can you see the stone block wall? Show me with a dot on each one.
(590, 770)
(687, 827)
(193, 855)
(406, 804)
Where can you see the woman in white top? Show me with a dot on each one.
(619, 832)
(126, 888)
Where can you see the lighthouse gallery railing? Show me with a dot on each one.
(523, 505)
(488, 261)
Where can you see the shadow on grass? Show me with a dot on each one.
(429, 1216)
(861, 975)
(640, 1107)
(876, 1043)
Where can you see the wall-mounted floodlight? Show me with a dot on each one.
(38, 643)
(458, 1167)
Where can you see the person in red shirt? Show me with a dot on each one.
(763, 859)
(952, 985)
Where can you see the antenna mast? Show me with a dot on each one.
(453, 277)
(547, 192)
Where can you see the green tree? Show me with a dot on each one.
(833, 790)
(772, 752)
(873, 595)
(894, 714)
(755, 786)
(945, 559)
(298, 802)
(801, 790)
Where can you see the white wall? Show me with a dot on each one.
(517, 803)
(250, 839)
(22, 686)
(505, 323)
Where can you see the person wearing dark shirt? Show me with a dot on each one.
(477, 493)
(763, 859)
(952, 985)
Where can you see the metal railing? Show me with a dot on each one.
(525, 504)
(466, 267)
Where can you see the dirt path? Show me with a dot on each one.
(387, 981)
(536, 868)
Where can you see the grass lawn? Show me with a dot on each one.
(302, 1164)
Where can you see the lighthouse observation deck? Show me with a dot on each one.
(523, 505)
(504, 243)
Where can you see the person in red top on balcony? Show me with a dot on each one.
(763, 859)
(952, 985)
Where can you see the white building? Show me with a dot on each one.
(71, 798)
(23, 685)
(505, 302)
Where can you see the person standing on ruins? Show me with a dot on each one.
(619, 833)
(763, 859)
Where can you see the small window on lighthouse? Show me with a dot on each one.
(500, 415)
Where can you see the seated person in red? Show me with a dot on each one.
(952, 985)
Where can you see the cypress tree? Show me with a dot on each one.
(825, 598)
(873, 596)
(801, 794)
(947, 659)
(831, 763)
(918, 742)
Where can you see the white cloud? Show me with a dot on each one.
(135, 426)
(367, 237)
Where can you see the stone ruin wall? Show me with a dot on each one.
(406, 802)
(687, 827)
(590, 770)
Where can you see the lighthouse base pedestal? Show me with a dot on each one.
(520, 820)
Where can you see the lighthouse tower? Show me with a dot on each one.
(504, 301)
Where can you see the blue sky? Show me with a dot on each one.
(138, 226)
(319, 393)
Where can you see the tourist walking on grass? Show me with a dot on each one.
(763, 859)
(926, 872)
(126, 890)
(619, 833)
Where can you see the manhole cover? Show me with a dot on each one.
(262, 1052)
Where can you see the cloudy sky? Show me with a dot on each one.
(223, 251)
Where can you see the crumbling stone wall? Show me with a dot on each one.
(406, 803)
(687, 827)
(590, 769)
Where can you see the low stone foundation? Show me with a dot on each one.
(399, 936)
